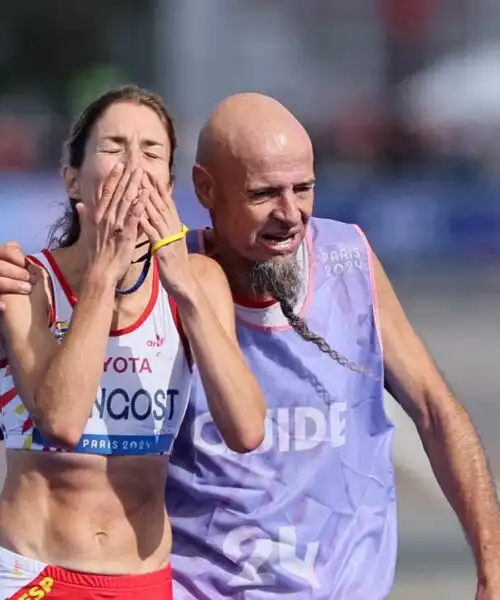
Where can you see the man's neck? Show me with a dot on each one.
(235, 268)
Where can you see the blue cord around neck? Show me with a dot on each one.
(140, 281)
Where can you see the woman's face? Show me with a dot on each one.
(128, 132)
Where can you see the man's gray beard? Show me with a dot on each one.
(279, 279)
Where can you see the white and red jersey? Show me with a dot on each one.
(144, 388)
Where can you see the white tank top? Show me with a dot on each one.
(144, 389)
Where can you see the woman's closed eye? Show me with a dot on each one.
(111, 150)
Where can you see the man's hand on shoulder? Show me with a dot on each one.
(15, 276)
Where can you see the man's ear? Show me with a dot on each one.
(71, 180)
(204, 186)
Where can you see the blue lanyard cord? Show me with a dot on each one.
(140, 281)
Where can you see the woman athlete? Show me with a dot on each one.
(98, 373)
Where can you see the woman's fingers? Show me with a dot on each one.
(155, 199)
(166, 195)
(111, 214)
(130, 194)
(134, 215)
(105, 196)
(148, 229)
(155, 218)
(163, 205)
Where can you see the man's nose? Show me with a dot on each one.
(288, 209)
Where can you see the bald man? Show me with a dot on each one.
(311, 513)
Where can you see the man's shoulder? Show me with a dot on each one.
(195, 240)
(332, 227)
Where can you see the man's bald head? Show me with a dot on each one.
(255, 174)
(250, 128)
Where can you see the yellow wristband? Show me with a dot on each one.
(170, 239)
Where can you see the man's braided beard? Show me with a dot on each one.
(278, 279)
(282, 281)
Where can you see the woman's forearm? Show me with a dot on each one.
(66, 391)
(234, 397)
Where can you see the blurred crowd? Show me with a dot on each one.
(414, 89)
(402, 100)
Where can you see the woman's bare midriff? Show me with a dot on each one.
(87, 513)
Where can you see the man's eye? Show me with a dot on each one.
(306, 189)
(263, 194)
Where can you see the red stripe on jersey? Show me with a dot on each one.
(7, 397)
(62, 280)
(27, 425)
(72, 299)
(182, 334)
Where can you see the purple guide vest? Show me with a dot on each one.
(311, 514)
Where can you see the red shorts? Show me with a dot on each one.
(25, 579)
